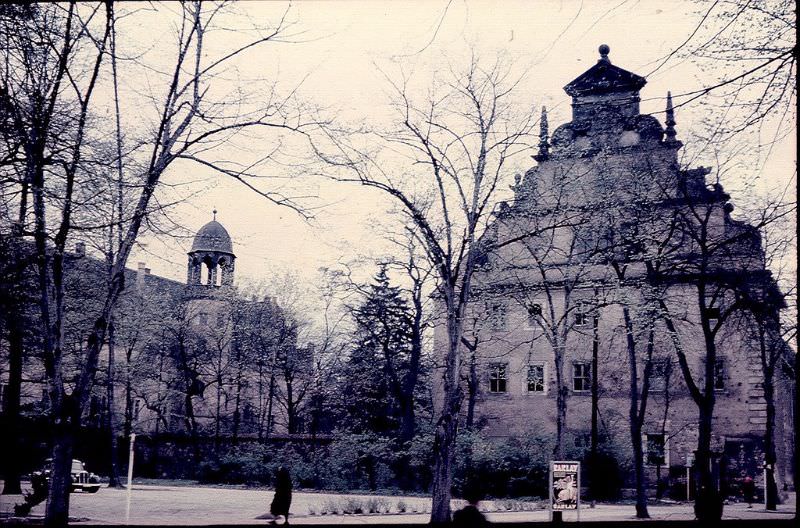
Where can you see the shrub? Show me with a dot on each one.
(352, 505)
(331, 506)
(502, 468)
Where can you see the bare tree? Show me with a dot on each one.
(747, 50)
(417, 271)
(557, 302)
(761, 318)
(710, 259)
(455, 147)
(48, 91)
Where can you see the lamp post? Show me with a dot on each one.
(767, 468)
(130, 480)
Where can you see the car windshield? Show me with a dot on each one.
(77, 465)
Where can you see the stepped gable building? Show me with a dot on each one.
(548, 311)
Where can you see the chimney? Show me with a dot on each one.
(80, 249)
(141, 271)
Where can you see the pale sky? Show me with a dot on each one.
(339, 51)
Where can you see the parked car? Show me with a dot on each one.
(81, 479)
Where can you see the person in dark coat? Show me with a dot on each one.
(749, 490)
(470, 516)
(283, 495)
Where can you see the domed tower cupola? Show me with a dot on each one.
(211, 259)
(604, 85)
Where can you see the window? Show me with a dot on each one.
(202, 319)
(582, 440)
(719, 374)
(220, 320)
(534, 313)
(497, 378)
(581, 314)
(581, 376)
(712, 312)
(656, 445)
(497, 315)
(659, 375)
(536, 378)
(631, 240)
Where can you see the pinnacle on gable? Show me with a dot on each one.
(670, 132)
(544, 137)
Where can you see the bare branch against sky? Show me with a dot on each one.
(330, 58)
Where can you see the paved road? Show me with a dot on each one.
(182, 505)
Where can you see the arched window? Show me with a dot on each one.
(221, 268)
(195, 272)
(205, 271)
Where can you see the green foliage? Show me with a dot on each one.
(502, 468)
(499, 468)
(378, 363)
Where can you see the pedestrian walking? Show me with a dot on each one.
(470, 516)
(749, 490)
(283, 496)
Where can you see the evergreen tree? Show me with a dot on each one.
(374, 395)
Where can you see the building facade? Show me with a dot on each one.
(193, 358)
(621, 255)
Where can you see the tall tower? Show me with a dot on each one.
(211, 259)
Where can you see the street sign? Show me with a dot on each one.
(565, 486)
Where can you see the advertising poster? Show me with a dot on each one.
(564, 485)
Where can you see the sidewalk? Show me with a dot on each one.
(178, 505)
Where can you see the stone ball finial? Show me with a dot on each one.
(604, 49)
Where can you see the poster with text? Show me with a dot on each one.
(564, 485)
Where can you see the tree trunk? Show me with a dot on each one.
(638, 460)
(113, 477)
(65, 427)
(270, 402)
(635, 415)
(444, 451)
(290, 409)
(261, 406)
(770, 457)
(561, 403)
(217, 413)
(128, 428)
(768, 359)
(191, 425)
(237, 418)
(708, 502)
(447, 424)
(16, 355)
(594, 480)
(472, 391)
(407, 417)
